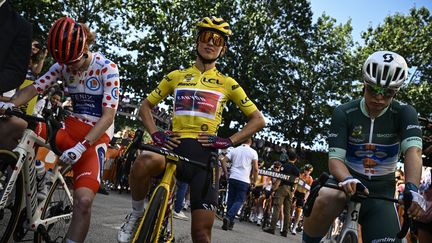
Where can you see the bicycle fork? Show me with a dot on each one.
(351, 222)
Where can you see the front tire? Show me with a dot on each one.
(147, 229)
(9, 215)
(57, 203)
(350, 237)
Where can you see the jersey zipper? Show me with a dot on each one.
(370, 139)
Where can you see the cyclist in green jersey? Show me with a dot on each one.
(200, 95)
(366, 138)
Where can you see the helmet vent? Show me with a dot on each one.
(385, 72)
(374, 69)
(396, 74)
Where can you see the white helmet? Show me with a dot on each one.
(385, 68)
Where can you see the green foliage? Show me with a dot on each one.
(295, 70)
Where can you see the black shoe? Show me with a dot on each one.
(231, 225)
(103, 190)
(225, 223)
(284, 233)
(269, 230)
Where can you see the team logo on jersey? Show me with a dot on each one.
(115, 93)
(204, 127)
(211, 82)
(357, 132)
(246, 102)
(188, 77)
(157, 91)
(234, 87)
(93, 84)
(167, 79)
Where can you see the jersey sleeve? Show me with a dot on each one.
(164, 88)
(255, 155)
(410, 129)
(111, 85)
(338, 137)
(239, 97)
(49, 78)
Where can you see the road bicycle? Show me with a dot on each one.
(20, 210)
(345, 228)
(222, 203)
(156, 224)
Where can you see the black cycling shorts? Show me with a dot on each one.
(202, 193)
(300, 199)
(257, 192)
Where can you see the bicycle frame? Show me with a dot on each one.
(350, 225)
(166, 182)
(26, 152)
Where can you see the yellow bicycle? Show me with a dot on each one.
(156, 225)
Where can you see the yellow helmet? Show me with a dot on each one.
(218, 24)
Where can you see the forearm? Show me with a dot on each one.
(101, 126)
(224, 166)
(338, 169)
(413, 165)
(38, 67)
(254, 177)
(256, 122)
(23, 96)
(147, 117)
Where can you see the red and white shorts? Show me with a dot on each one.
(88, 169)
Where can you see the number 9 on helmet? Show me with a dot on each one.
(66, 40)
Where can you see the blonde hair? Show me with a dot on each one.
(91, 37)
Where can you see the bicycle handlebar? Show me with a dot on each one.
(137, 144)
(358, 195)
(32, 120)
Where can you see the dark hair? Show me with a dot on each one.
(292, 155)
(39, 55)
(57, 92)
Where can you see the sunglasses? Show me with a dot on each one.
(375, 90)
(206, 36)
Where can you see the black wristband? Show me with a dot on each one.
(411, 186)
(348, 178)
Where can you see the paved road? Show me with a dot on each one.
(109, 211)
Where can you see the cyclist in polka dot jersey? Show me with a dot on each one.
(93, 84)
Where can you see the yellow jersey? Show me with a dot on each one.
(199, 99)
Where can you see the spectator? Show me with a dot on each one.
(15, 47)
(37, 59)
(284, 156)
(14, 58)
(46, 104)
(182, 189)
(283, 195)
(424, 222)
(243, 159)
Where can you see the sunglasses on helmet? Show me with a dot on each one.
(206, 36)
(375, 90)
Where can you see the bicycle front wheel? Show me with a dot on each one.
(350, 237)
(148, 229)
(9, 215)
(58, 203)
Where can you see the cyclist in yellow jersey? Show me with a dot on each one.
(200, 95)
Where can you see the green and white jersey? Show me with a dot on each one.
(372, 146)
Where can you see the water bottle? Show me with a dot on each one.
(40, 179)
